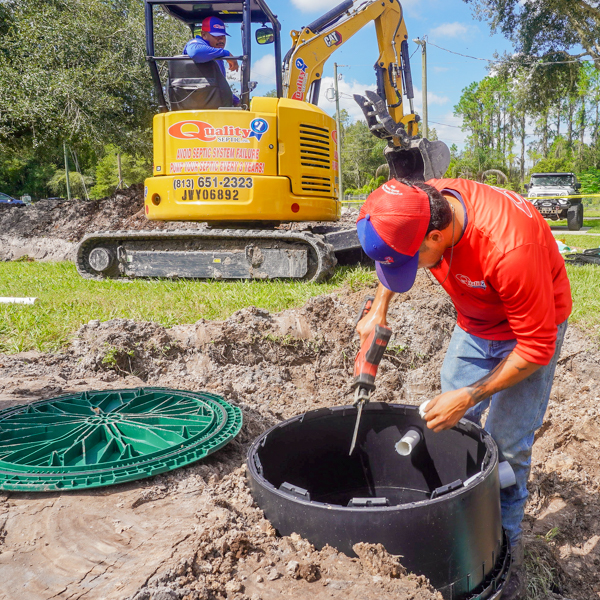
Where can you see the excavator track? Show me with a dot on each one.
(206, 254)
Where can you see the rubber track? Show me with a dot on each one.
(323, 252)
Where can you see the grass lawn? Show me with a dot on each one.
(581, 242)
(66, 301)
(593, 223)
(585, 283)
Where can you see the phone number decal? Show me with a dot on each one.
(212, 188)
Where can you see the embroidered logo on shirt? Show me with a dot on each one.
(472, 284)
(518, 201)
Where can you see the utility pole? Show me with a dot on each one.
(339, 128)
(67, 171)
(423, 44)
(120, 184)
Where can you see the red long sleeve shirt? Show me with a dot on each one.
(507, 279)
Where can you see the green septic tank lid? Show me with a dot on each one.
(98, 438)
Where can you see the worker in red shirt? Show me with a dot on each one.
(497, 258)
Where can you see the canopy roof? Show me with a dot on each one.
(192, 11)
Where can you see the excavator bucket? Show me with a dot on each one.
(414, 159)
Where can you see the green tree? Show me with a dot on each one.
(545, 28)
(134, 169)
(75, 71)
(362, 153)
(79, 184)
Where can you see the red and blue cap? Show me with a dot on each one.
(391, 227)
(214, 26)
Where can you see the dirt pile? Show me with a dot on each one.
(50, 229)
(195, 533)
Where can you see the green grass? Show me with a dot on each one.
(581, 242)
(585, 282)
(66, 301)
(593, 224)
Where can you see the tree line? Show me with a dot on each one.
(510, 124)
(74, 72)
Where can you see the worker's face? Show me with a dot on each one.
(431, 250)
(216, 41)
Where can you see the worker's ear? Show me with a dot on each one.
(434, 236)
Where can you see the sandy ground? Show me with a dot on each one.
(195, 533)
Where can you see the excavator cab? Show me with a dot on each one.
(187, 76)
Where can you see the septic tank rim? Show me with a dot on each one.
(464, 426)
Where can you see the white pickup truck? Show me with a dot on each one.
(548, 193)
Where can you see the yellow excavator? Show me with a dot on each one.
(246, 169)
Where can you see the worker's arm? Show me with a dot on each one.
(199, 51)
(446, 410)
(377, 315)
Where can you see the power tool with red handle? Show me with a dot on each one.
(366, 365)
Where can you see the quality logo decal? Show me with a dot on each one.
(472, 284)
(205, 132)
(301, 81)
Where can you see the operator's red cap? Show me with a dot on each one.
(391, 227)
(214, 26)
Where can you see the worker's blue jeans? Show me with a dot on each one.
(515, 413)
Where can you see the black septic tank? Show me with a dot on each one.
(438, 507)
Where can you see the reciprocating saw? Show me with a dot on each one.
(366, 364)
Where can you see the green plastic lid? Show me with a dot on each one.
(100, 438)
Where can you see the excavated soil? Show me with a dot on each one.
(50, 229)
(195, 533)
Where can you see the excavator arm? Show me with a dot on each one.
(311, 47)
(408, 156)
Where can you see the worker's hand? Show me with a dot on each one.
(233, 64)
(377, 314)
(368, 323)
(446, 410)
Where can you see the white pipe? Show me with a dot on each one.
(408, 442)
(422, 408)
(506, 475)
(18, 300)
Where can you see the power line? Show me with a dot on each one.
(533, 65)
(446, 125)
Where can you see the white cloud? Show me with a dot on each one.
(315, 5)
(450, 30)
(448, 128)
(431, 99)
(348, 88)
(263, 70)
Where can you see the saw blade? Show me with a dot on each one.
(356, 426)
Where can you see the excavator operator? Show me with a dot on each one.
(495, 256)
(208, 44)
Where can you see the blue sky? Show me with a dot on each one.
(446, 23)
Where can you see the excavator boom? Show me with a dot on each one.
(408, 156)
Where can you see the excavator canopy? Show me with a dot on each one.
(227, 11)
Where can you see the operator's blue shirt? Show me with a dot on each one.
(200, 51)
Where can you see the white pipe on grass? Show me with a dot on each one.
(18, 300)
